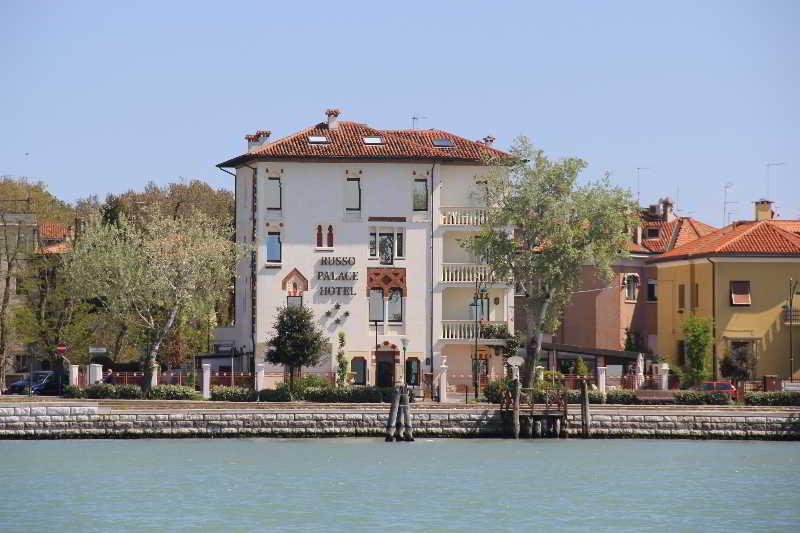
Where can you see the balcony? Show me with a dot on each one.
(791, 317)
(464, 273)
(460, 331)
(464, 216)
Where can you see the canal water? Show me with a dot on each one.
(368, 485)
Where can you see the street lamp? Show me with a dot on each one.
(480, 293)
(404, 343)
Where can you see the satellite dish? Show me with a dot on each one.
(516, 360)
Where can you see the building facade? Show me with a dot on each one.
(739, 277)
(364, 227)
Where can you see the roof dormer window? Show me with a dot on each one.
(443, 142)
(318, 139)
(373, 140)
(652, 233)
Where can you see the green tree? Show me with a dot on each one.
(297, 342)
(580, 367)
(155, 271)
(739, 364)
(558, 227)
(697, 341)
(341, 362)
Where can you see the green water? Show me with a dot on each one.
(368, 485)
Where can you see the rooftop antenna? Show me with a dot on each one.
(769, 165)
(414, 118)
(725, 203)
(638, 171)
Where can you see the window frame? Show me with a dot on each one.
(732, 294)
(388, 314)
(627, 286)
(280, 194)
(649, 236)
(381, 257)
(280, 247)
(347, 208)
(370, 300)
(373, 244)
(411, 361)
(654, 284)
(363, 363)
(293, 296)
(414, 196)
(681, 296)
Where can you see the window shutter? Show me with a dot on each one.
(740, 293)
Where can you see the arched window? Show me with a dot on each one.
(330, 236)
(395, 305)
(319, 236)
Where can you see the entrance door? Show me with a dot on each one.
(384, 371)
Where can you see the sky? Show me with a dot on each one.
(102, 97)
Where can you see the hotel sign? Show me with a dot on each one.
(336, 275)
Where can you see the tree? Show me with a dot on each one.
(155, 271)
(297, 342)
(341, 362)
(697, 342)
(739, 364)
(558, 227)
(580, 367)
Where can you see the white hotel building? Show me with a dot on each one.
(364, 227)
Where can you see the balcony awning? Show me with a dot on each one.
(585, 350)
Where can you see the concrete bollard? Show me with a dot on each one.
(73, 375)
(601, 379)
(206, 380)
(156, 370)
(260, 376)
(95, 373)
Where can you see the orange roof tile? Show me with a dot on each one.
(751, 238)
(53, 230)
(673, 233)
(346, 141)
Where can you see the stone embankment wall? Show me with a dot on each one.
(51, 420)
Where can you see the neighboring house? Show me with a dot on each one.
(600, 314)
(54, 237)
(738, 276)
(364, 226)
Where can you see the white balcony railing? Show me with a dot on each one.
(463, 329)
(464, 216)
(464, 273)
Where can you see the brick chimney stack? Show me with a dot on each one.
(333, 118)
(764, 210)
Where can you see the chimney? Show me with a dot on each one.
(764, 210)
(257, 139)
(488, 140)
(666, 209)
(333, 118)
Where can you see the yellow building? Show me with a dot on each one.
(739, 277)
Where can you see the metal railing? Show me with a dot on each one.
(464, 329)
(465, 273)
(464, 216)
(791, 317)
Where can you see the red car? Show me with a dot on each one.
(720, 386)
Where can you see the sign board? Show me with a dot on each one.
(61, 348)
(98, 349)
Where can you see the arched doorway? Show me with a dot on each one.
(384, 368)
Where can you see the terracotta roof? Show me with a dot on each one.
(54, 230)
(346, 142)
(673, 233)
(57, 248)
(751, 238)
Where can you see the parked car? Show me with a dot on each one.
(43, 383)
(719, 386)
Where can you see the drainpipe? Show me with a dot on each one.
(253, 261)
(430, 304)
(713, 316)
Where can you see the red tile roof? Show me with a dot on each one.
(671, 234)
(57, 248)
(346, 142)
(765, 238)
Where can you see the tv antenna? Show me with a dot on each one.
(415, 118)
(769, 165)
(638, 171)
(725, 203)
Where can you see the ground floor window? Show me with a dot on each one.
(359, 367)
(412, 371)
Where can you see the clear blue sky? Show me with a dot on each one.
(105, 96)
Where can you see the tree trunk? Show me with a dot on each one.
(152, 357)
(536, 321)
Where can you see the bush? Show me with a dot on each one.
(128, 392)
(772, 398)
(622, 397)
(71, 391)
(495, 391)
(172, 392)
(349, 395)
(696, 397)
(100, 391)
(280, 394)
(232, 394)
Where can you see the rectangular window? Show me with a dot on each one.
(631, 288)
(652, 233)
(376, 305)
(395, 305)
(294, 301)
(651, 291)
(273, 193)
(695, 296)
(400, 244)
(386, 248)
(373, 244)
(681, 296)
(273, 247)
(420, 195)
(740, 293)
(681, 353)
(482, 305)
(359, 367)
(353, 194)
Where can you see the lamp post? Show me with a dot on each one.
(480, 292)
(404, 343)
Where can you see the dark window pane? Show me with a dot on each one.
(359, 367)
(420, 195)
(395, 305)
(274, 247)
(400, 245)
(353, 194)
(373, 244)
(386, 248)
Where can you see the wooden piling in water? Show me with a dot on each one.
(408, 436)
(515, 416)
(586, 420)
(391, 425)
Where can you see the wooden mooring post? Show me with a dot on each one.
(586, 418)
(398, 427)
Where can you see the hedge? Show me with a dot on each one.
(232, 394)
(622, 397)
(71, 391)
(349, 395)
(173, 392)
(772, 398)
(280, 394)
